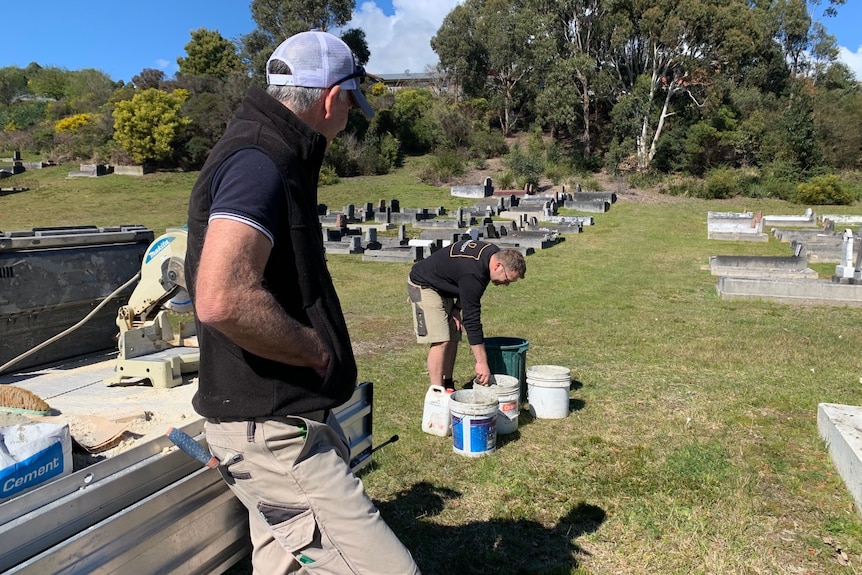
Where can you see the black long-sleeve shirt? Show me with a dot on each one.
(462, 271)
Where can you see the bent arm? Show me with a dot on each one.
(230, 298)
(483, 370)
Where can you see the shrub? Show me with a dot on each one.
(556, 173)
(350, 156)
(589, 182)
(74, 123)
(684, 187)
(328, 176)
(506, 180)
(488, 143)
(823, 190)
(720, 183)
(644, 179)
(445, 165)
(526, 167)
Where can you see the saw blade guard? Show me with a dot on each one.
(162, 283)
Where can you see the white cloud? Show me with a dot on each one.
(401, 42)
(853, 60)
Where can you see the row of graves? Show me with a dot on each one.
(508, 218)
(16, 165)
(788, 279)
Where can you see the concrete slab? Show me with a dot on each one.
(762, 267)
(818, 292)
(840, 427)
(808, 219)
(803, 235)
(733, 226)
(824, 250)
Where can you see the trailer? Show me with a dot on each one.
(149, 508)
(136, 504)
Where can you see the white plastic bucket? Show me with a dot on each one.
(548, 391)
(508, 391)
(474, 421)
(435, 415)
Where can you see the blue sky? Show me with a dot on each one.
(122, 38)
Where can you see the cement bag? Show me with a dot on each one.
(31, 454)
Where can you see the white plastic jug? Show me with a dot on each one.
(435, 416)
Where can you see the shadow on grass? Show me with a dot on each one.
(497, 546)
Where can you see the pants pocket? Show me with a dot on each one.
(297, 531)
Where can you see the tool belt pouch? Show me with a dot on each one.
(415, 294)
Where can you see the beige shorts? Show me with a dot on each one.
(432, 315)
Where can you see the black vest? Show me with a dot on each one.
(232, 382)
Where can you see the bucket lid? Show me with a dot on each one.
(555, 372)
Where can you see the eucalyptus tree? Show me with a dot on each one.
(671, 48)
(279, 19)
(579, 30)
(462, 54)
(514, 44)
(807, 46)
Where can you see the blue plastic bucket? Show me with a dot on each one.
(474, 421)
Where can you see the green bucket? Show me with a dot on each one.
(508, 355)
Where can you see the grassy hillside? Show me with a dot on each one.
(692, 445)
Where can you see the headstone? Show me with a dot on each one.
(381, 205)
(371, 242)
(402, 235)
(350, 212)
(395, 205)
(340, 221)
(356, 245)
(847, 268)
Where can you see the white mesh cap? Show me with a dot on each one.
(319, 60)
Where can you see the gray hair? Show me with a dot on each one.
(301, 99)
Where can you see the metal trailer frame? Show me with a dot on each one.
(151, 509)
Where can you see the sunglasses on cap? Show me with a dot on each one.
(358, 73)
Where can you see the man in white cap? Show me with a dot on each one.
(275, 353)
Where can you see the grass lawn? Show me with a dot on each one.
(692, 444)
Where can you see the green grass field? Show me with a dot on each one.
(692, 445)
